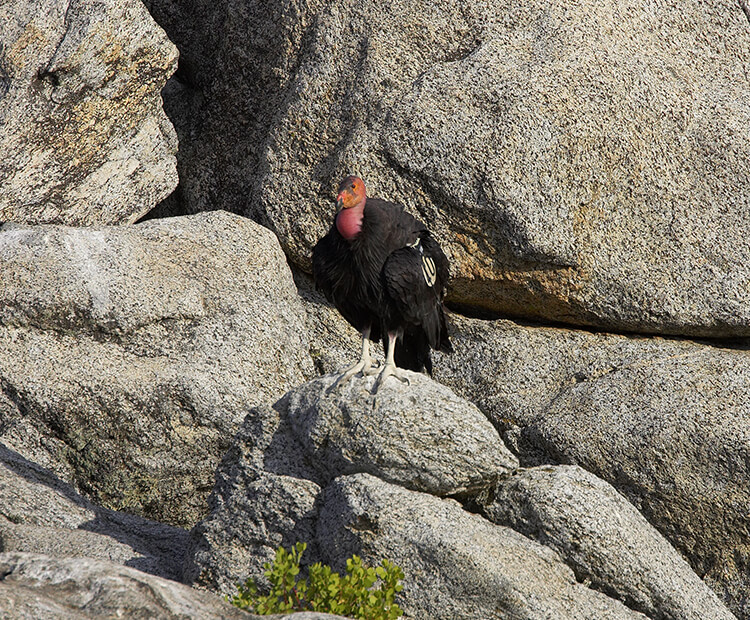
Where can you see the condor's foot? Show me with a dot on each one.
(390, 370)
(367, 366)
(364, 365)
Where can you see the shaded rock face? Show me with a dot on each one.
(39, 513)
(84, 138)
(226, 48)
(334, 344)
(578, 164)
(63, 557)
(338, 470)
(129, 355)
(664, 421)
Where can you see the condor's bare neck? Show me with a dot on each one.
(349, 221)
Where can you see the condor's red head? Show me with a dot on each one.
(351, 204)
(352, 193)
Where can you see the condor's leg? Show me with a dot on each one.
(364, 365)
(390, 368)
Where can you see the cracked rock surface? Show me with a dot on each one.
(604, 539)
(459, 564)
(665, 421)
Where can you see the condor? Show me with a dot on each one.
(386, 274)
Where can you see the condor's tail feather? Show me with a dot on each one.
(444, 343)
(413, 352)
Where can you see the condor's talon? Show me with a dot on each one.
(373, 370)
(364, 366)
(390, 370)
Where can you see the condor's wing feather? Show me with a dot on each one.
(411, 282)
(331, 261)
(326, 263)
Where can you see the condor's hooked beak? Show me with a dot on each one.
(339, 202)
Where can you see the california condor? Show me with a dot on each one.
(386, 274)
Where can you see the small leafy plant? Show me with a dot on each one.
(324, 590)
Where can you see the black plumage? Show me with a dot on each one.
(386, 274)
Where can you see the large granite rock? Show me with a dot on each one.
(606, 541)
(347, 472)
(35, 586)
(424, 438)
(84, 137)
(666, 422)
(129, 355)
(583, 164)
(458, 565)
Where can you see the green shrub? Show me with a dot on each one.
(352, 595)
